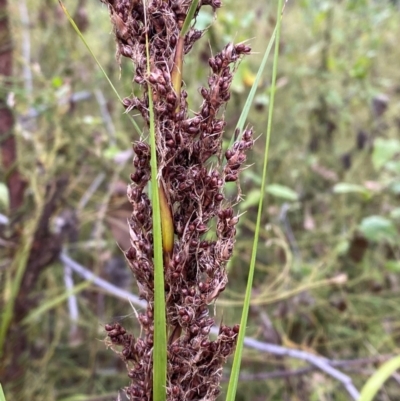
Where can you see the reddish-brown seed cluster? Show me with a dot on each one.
(193, 173)
(237, 156)
(135, 352)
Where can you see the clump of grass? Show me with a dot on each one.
(187, 193)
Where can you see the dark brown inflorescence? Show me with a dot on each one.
(192, 172)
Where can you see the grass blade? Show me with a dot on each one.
(160, 325)
(2, 396)
(14, 282)
(250, 98)
(234, 378)
(188, 19)
(52, 303)
(376, 381)
(77, 30)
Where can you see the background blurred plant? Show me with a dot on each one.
(332, 198)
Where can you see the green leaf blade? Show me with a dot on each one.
(376, 381)
(234, 377)
(2, 396)
(160, 324)
(283, 192)
(384, 151)
(378, 228)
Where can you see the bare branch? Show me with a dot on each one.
(283, 374)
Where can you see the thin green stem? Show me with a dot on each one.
(234, 378)
(77, 30)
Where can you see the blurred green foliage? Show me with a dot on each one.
(328, 268)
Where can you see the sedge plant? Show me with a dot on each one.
(179, 272)
(177, 195)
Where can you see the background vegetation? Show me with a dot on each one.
(328, 267)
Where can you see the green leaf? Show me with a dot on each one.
(335, 99)
(250, 97)
(4, 196)
(361, 67)
(83, 397)
(376, 381)
(281, 191)
(111, 152)
(76, 397)
(54, 302)
(252, 199)
(378, 228)
(342, 247)
(56, 82)
(346, 188)
(384, 150)
(395, 213)
(2, 396)
(188, 18)
(235, 371)
(393, 166)
(393, 266)
(160, 323)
